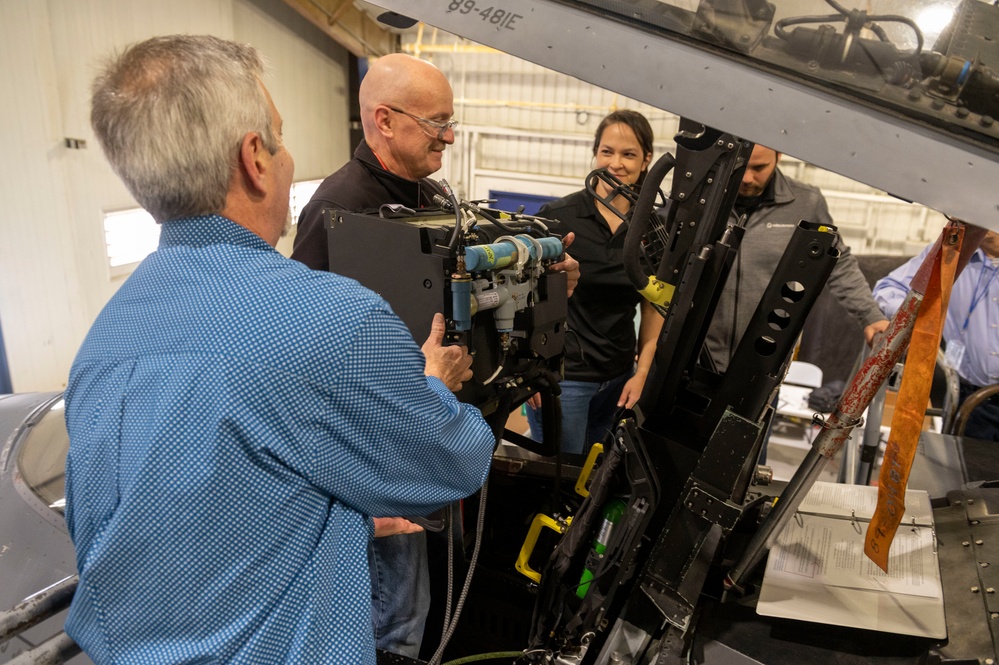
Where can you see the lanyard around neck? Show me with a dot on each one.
(980, 290)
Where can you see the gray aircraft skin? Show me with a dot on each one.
(35, 549)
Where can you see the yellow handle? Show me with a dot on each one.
(658, 292)
(523, 566)
(588, 465)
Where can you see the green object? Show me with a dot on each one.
(611, 515)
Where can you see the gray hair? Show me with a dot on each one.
(170, 114)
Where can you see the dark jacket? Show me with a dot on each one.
(360, 185)
(768, 230)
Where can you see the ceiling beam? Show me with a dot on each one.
(350, 27)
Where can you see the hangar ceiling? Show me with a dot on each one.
(349, 25)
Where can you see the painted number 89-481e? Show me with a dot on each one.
(491, 14)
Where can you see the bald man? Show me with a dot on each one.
(406, 108)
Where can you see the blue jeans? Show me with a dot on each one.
(588, 410)
(400, 592)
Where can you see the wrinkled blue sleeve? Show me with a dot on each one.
(890, 290)
(388, 440)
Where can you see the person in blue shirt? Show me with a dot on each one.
(971, 329)
(235, 418)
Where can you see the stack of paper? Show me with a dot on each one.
(817, 570)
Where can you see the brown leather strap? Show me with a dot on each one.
(910, 407)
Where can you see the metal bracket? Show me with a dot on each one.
(715, 509)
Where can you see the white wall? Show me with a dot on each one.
(54, 276)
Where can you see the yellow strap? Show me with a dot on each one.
(910, 406)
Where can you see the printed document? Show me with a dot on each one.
(817, 571)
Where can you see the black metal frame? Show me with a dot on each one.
(685, 459)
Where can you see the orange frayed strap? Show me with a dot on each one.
(910, 407)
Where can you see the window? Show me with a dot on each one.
(301, 192)
(130, 235)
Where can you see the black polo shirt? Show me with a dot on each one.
(601, 341)
(361, 185)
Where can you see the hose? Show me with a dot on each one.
(495, 655)
(641, 219)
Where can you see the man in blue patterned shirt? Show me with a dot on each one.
(229, 442)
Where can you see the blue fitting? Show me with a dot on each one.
(461, 303)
